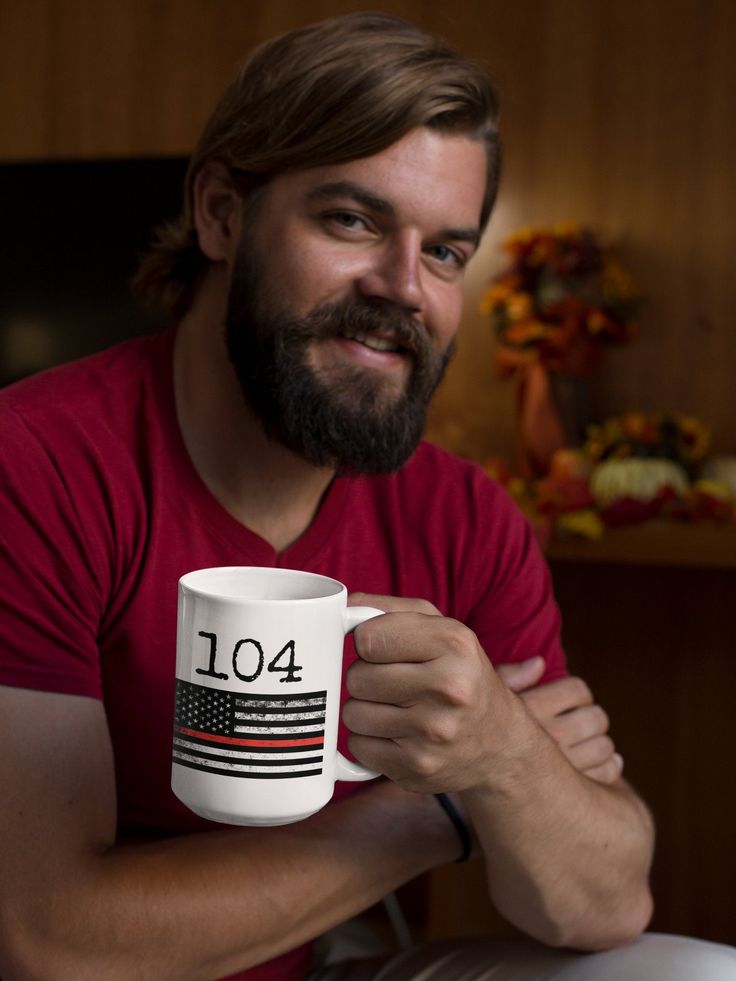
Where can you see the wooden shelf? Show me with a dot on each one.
(653, 543)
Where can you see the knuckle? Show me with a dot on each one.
(611, 771)
(605, 773)
(601, 719)
(609, 747)
(423, 765)
(580, 691)
(355, 680)
(438, 731)
(556, 728)
(458, 639)
(457, 692)
(425, 607)
(351, 714)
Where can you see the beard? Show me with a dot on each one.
(348, 418)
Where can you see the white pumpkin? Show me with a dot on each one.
(635, 478)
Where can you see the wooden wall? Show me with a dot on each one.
(615, 114)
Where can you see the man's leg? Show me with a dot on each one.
(654, 957)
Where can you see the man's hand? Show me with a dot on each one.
(427, 708)
(396, 679)
(566, 711)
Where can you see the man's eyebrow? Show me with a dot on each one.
(349, 189)
(362, 195)
(471, 235)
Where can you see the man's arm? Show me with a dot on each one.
(567, 856)
(566, 710)
(76, 907)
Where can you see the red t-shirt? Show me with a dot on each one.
(103, 511)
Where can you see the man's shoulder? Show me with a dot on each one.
(93, 390)
(91, 424)
(66, 387)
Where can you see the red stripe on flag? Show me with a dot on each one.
(250, 742)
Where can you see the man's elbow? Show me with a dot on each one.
(617, 928)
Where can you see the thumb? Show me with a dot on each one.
(518, 677)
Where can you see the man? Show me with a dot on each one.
(334, 201)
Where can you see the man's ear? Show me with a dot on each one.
(217, 212)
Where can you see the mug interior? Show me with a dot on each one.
(255, 583)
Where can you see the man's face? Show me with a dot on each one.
(346, 295)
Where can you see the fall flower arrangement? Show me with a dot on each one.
(632, 468)
(563, 297)
(660, 435)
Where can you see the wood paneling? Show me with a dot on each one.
(615, 114)
(90, 78)
(657, 648)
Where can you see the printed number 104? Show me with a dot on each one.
(284, 661)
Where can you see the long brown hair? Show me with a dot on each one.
(335, 91)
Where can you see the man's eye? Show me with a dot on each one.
(444, 254)
(346, 219)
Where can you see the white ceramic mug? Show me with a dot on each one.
(258, 676)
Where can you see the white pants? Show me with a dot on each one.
(654, 957)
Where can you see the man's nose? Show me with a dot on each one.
(394, 275)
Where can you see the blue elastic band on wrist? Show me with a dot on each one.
(460, 826)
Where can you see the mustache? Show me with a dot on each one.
(347, 317)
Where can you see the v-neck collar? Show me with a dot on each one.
(218, 519)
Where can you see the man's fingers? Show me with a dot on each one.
(392, 684)
(413, 765)
(592, 753)
(522, 675)
(377, 719)
(577, 726)
(413, 637)
(393, 604)
(406, 683)
(609, 772)
(557, 697)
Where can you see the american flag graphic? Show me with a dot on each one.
(263, 736)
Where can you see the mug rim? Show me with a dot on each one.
(189, 581)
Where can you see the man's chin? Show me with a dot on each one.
(365, 382)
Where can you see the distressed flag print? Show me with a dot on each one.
(257, 736)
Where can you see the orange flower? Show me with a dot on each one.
(562, 290)
(499, 292)
(597, 321)
(519, 306)
(524, 332)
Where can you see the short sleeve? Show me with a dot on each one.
(513, 611)
(53, 573)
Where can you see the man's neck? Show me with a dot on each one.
(266, 487)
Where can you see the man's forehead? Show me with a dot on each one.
(441, 175)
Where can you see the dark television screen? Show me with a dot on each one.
(72, 235)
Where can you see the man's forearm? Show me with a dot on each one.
(567, 858)
(205, 906)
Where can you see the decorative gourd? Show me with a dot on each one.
(638, 479)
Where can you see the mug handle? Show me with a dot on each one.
(347, 769)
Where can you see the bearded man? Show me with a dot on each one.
(314, 283)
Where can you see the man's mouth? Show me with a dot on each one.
(371, 340)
